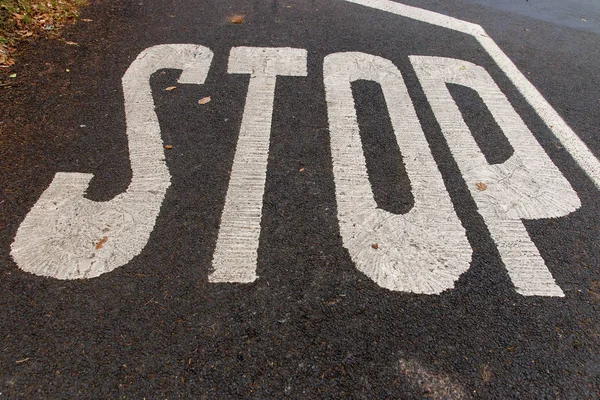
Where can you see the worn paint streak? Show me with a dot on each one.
(527, 186)
(59, 236)
(235, 256)
(422, 251)
(437, 386)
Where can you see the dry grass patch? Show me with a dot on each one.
(21, 20)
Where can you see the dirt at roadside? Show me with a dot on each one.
(23, 20)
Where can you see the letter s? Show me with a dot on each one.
(67, 236)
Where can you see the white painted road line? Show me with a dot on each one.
(569, 139)
(235, 255)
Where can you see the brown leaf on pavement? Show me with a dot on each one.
(486, 373)
(204, 100)
(236, 18)
(481, 186)
(171, 88)
(101, 243)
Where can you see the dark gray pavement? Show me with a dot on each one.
(312, 326)
(583, 15)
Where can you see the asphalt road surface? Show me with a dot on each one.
(303, 199)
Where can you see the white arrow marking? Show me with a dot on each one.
(67, 236)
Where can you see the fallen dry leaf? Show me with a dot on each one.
(301, 169)
(171, 88)
(101, 243)
(168, 146)
(375, 246)
(481, 186)
(236, 18)
(486, 373)
(72, 43)
(87, 20)
(204, 100)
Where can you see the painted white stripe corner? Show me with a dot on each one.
(567, 137)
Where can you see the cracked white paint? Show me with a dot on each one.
(422, 251)
(527, 186)
(67, 236)
(235, 256)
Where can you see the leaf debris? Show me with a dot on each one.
(21, 20)
(204, 100)
(101, 242)
(237, 18)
